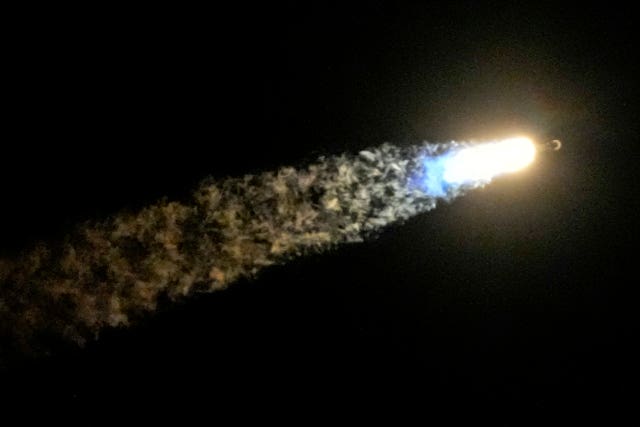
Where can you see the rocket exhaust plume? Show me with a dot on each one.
(106, 274)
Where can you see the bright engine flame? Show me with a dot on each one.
(485, 161)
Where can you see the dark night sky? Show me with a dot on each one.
(511, 302)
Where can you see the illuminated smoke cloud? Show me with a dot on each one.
(107, 274)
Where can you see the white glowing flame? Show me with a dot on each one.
(485, 161)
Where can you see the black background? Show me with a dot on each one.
(511, 303)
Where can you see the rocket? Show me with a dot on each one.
(553, 145)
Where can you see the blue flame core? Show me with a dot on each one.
(429, 178)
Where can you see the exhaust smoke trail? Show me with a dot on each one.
(109, 273)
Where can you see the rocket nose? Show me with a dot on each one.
(555, 145)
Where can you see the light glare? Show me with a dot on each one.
(485, 161)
